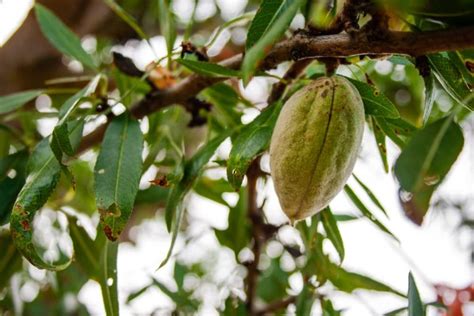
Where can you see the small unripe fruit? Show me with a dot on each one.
(315, 144)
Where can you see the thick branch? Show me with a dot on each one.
(302, 47)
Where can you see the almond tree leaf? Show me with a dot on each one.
(86, 252)
(213, 189)
(61, 37)
(271, 22)
(117, 174)
(424, 163)
(328, 308)
(174, 209)
(364, 210)
(430, 93)
(43, 175)
(332, 231)
(126, 17)
(11, 187)
(396, 129)
(253, 139)
(208, 69)
(60, 140)
(267, 16)
(380, 142)
(371, 195)
(10, 260)
(375, 102)
(304, 301)
(451, 79)
(14, 101)
(415, 305)
(167, 26)
(108, 278)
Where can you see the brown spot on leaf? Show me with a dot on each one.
(109, 233)
(25, 224)
(470, 66)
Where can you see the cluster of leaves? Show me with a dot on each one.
(36, 171)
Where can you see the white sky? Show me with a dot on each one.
(438, 249)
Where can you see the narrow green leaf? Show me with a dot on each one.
(380, 142)
(108, 278)
(61, 137)
(43, 175)
(430, 93)
(193, 168)
(167, 26)
(208, 69)
(332, 231)
(213, 189)
(87, 255)
(117, 174)
(364, 210)
(415, 305)
(267, 16)
(375, 102)
(11, 187)
(424, 163)
(61, 37)
(10, 260)
(14, 101)
(304, 301)
(371, 195)
(451, 79)
(271, 21)
(254, 138)
(396, 129)
(328, 308)
(127, 18)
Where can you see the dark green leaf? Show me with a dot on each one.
(224, 100)
(375, 102)
(86, 252)
(193, 168)
(371, 195)
(304, 301)
(430, 93)
(451, 79)
(208, 69)
(415, 305)
(332, 231)
(273, 282)
(10, 260)
(127, 18)
(43, 175)
(108, 278)
(117, 174)
(254, 138)
(14, 101)
(167, 25)
(10, 187)
(268, 25)
(213, 189)
(424, 163)
(380, 142)
(396, 129)
(364, 210)
(61, 37)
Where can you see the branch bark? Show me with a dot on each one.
(302, 47)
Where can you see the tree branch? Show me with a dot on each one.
(273, 307)
(302, 46)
